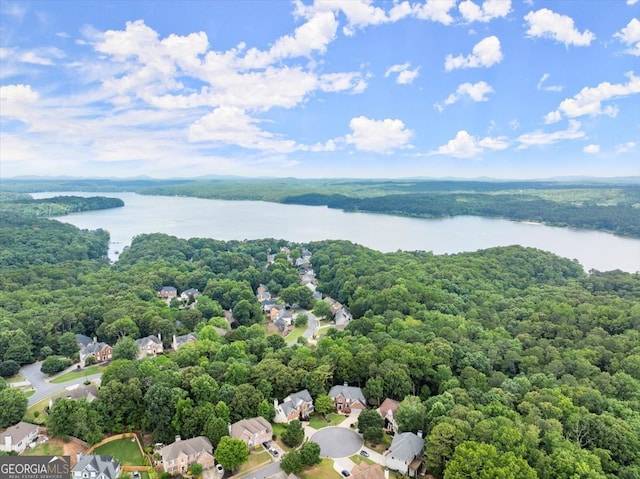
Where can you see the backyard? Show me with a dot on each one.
(125, 451)
(324, 470)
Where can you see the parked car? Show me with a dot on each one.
(266, 444)
(274, 451)
(346, 473)
(219, 468)
(364, 453)
(136, 475)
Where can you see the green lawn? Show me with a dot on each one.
(293, 336)
(357, 458)
(278, 429)
(324, 470)
(45, 450)
(78, 374)
(41, 415)
(318, 422)
(124, 450)
(383, 446)
(255, 460)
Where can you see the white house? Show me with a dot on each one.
(18, 437)
(406, 453)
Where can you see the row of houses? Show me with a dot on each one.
(149, 346)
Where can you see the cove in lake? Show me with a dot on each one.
(239, 220)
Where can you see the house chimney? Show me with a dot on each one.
(95, 339)
(275, 404)
(160, 336)
(419, 433)
(78, 456)
(7, 442)
(346, 384)
(386, 473)
(177, 437)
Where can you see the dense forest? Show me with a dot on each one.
(55, 206)
(510, 360)
(610, 205)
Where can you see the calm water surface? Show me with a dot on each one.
(239, 220)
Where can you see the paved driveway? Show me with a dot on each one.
(337, 442)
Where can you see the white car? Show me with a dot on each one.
(219, 468)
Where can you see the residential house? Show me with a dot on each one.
(347, 397)
(367, 471)
(179, 341)
(342, 317)
(149, 346)
(252, 431)
(89, 392)
(406, 453)
(278, 312)
(387, 411)
(267, 305)
(262, 293)
(295, 406)
(303, 264)
(18, 437)
(306, 254)
(95, 467)
(101, 352)
(83, 340)
(178, 456)
(187, 294)
(168, 292)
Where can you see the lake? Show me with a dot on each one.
(239, 220)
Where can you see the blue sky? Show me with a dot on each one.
(331, 88)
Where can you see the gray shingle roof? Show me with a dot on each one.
(100, 464)
(348, 392)
(143, 342)
(295, 400)
(406, 446)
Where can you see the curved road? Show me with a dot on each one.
(41, 384)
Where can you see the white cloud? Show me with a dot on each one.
(17, 101)
(625, 147)
(542, 87)
(378, 136)
(466, 146)
(591, 149)
(434, 10)
(489, 10)
(231, 125)
(632, 2)
(552, 117)
(545, 23)
(541, 138)
(475, 91)
(589, 100)
(485, 53)
(405, 75)
(630, 36)
(336, 82)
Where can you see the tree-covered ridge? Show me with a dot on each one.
(56, 206)
(27, 240)
(508, 359)
(621, 218)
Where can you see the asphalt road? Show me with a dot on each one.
(337, 442)
(41, 384)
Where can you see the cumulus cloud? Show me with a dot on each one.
(630, 36)
(434, 10)
(231, 125)
(475, 91)
(379, 136)
(591, 149)
(465, 145)
(485, 53)
(543, 87)
(632, 2)
(545, 23)
(16, 101)
(538, 137)
(405, 74)
(489, 10)
(589, 100)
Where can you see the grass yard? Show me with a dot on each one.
(358, 459)
(278, 429)
(78, 374)
(383, 446)
(324, 470)
(293, 336)
(36, 414)
(255, 460)
(318, 422)
(45, 450)
(124, 450)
